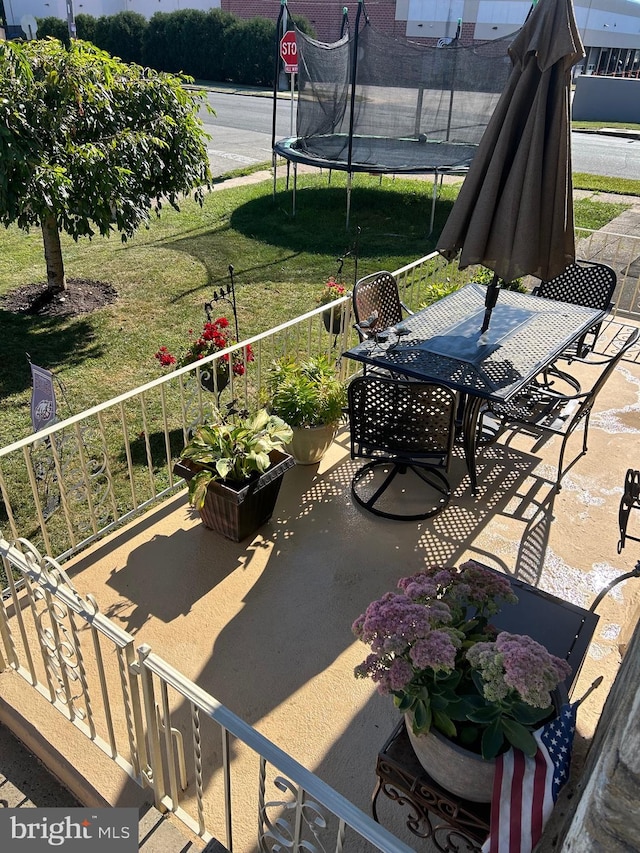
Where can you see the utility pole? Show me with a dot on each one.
(3, 22)
(71, 20)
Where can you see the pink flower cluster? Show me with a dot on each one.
(437, 624)
(409, 632)
(433, 648)
(517, 662)
(470, 586)
(332, 290)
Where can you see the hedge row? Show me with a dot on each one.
(213, 45)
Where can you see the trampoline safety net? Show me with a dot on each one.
(415, 108)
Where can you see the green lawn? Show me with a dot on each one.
(165, 274)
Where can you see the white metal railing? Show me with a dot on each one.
(215, 772)
(75, 481)
(72, 483)
(622, 252)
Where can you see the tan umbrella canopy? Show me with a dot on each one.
(514, 213)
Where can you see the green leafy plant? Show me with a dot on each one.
(90, 143)
(306, 393)
(438, 290)
(233, 448)
(434, 650)
(482, 275)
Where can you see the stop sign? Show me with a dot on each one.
(289, 52)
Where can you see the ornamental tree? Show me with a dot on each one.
(90, 144)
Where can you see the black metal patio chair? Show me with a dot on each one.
(405, 428)
(582, 283)
(539, 409)
(376, 304)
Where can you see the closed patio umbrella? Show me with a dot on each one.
(514, 213)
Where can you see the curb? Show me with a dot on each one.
(609, 131)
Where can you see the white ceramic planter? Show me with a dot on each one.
(309, 444)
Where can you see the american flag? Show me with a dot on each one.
(525, 789)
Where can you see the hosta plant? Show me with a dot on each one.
(233, 447)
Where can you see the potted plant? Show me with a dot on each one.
(214, 337)
(234, 465)
(332, 317)
(468, 692)
(310, 397)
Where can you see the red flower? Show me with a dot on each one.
(215, 336)
(164, 357)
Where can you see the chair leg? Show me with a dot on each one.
(585, 434)
(371, 502)
(433, 478)
(630, 500)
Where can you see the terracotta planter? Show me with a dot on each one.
(464, 773)
(309, 444)
(236, 510)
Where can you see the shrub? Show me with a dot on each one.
(86, 27)
(55, 27)
(121, 35)
(158, 48)
(190, 41)
(251, 52)
(303, 25)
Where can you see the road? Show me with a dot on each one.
(241, 136)
(241, 129)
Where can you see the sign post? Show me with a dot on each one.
(29, 26)
(289, 55)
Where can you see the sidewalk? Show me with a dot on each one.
(25, 783)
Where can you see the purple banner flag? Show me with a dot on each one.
(43, 398)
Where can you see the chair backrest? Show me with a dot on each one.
(581, 283)
(401, 418)
(587, 404)
(376, 301)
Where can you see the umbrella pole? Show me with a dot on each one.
(491, 298)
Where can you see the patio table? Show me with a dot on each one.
(442, 343)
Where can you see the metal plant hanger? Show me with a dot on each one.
(225, 294)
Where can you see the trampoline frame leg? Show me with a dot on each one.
(348, 198)
(274, 166)
(295, 186)
(433, 202)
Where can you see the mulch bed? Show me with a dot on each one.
(82, 296)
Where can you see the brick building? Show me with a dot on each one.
(609, 28)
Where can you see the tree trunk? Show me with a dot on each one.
(56, 281)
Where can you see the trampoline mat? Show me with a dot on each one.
(377, 154)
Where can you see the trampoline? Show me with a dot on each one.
(370, 103)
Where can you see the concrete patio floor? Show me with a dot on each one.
(265, 625)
